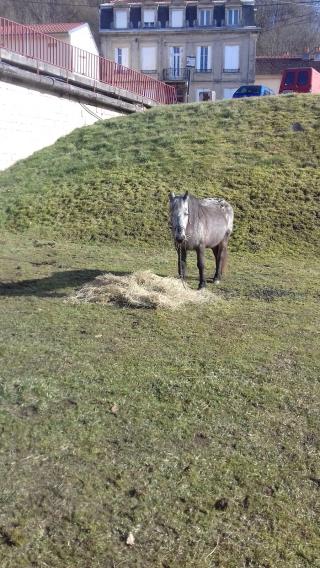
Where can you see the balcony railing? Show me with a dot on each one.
(41, 47)
(176, 74)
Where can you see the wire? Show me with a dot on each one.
(90, 111)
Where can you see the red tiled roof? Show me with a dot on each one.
(275, 65)
(55, 28)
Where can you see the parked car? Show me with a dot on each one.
(300, 80)
(252, 91)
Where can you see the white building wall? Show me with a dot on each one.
(82, 37)
(83, 63)
(30, 120)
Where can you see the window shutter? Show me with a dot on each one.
(148, 58)
(231, 57)
(121, 19)
(125, 56)
(198, 56)
(227, 93)
(177, 18)
(209, 58)
(148, 16)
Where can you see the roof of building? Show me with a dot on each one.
(275, 65)
(55, 28)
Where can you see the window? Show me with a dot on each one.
(177, 17)
(106, 18)
(121, 19)
(253, 90)
(175, 61)
(135, 17)
(163, 16)
(289, 78)
(121, 56)
(231, 58)
(228, 92)
(204, 17)
(204, 58)
(303, 78)
(204, 95)
(233, 16)
(148, 58)
(149, 18)
(191, 16)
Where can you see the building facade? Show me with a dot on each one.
(269, 69)
(206, 49)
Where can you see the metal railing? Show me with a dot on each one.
(176, 74)
(24, 40)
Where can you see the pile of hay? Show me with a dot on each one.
(141, 290)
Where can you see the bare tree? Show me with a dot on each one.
(28, 12)
(287, 27)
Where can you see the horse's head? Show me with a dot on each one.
(179, 210)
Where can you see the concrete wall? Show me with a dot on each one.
(31, 120)
(271, 81)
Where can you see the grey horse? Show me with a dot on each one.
(198, 224)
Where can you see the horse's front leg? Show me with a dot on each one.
(182, 261)
(200, 265)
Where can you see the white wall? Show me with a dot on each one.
(83, 63)
(82, 37)
(30, 120)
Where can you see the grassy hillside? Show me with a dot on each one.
(197, 430)
(110, 181)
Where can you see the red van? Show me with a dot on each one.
(300, 80)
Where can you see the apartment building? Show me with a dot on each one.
(205, 49)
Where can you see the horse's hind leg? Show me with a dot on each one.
(221, 259)
(200, 265)
(215, 251)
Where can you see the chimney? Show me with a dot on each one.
(306, 54)
(316, 54)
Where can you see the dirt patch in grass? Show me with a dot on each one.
(141, 290)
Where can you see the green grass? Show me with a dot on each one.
(214, 403)
(110, 181)
(212, 457)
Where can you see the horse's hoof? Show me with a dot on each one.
(201, 286)
(216, 281)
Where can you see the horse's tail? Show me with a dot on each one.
(224, 261)
(229, 215)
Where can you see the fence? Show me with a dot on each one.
(30, 43)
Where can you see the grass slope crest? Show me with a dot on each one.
(110, 181)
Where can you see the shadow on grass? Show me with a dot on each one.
(47, 287)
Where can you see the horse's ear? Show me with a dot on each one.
(186, 195)
(172, 195)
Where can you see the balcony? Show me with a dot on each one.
(203, 70)
(176, 74)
